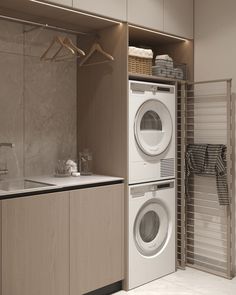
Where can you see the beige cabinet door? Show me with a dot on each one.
(96, 238)
(109, 8)
(35, 245)
(60, 2)
(178, 17)
(146, 13)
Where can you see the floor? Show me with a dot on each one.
(186, 282)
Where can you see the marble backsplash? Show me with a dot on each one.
(37, 102)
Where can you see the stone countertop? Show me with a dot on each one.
(57, 184)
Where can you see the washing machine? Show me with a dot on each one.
(151, 232)
(152, 118)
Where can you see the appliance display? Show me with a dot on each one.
(151, 131)
(151, 231)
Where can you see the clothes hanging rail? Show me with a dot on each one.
(46, 26)
(209, 229)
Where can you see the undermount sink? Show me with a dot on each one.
(22, 184)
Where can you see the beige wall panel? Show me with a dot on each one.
(146, 13)
(178, 18)
(110, 8)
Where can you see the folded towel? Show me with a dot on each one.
(170, 73)
(164, 63)
(179, 74)
(164, 57)
(159, 71)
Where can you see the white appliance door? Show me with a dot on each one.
(151, 228)
(153, 127)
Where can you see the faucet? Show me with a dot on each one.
(5, 144)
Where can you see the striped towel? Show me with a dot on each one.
(209, 159)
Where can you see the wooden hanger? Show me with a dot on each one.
(59, 40)
(68, 44)
(96, 47)
(73, 46)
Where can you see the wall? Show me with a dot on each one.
(215, 43)
(37, 102)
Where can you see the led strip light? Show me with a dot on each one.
(159, 33)
(75, 11)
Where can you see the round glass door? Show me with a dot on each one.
(151, 228)
(153, 127)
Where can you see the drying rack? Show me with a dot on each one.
(205, 230)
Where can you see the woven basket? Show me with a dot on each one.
(140, 65)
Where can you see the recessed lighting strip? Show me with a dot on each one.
(158, 33)
(75, 11)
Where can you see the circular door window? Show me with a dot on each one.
(153, 127)
(151, 228)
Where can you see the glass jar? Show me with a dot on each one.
(85, 162)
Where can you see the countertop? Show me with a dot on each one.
(57, 184)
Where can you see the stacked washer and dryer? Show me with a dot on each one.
(152, 197)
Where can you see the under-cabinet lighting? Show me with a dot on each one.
(76, 11)
(158, 33)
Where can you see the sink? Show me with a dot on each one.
(22, 184)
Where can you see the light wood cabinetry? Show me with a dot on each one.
(96, 238)
(172, 17)
(146, 13)
(178, 17)
(0, 247)
(35, 245)
(110, 8)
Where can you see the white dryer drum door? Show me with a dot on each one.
(153, 127)
(151, 228)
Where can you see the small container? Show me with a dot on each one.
(85, 162)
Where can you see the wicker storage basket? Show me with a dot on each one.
(140, 65)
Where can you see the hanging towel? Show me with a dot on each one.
(209, 159)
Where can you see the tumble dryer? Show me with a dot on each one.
(151, 231)
(151, 131)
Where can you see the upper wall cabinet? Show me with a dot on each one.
(146, 13)
(109, 8)
(60, 2)
(178, 17)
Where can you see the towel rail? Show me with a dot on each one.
(205, 114)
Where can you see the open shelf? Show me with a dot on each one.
(149, 78)
(181, 51)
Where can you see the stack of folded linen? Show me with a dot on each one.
(164, 67)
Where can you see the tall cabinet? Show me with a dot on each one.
(146, 13)
(172, 17)
(178, 18)
(109, 8)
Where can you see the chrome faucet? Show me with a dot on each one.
(5, 144)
